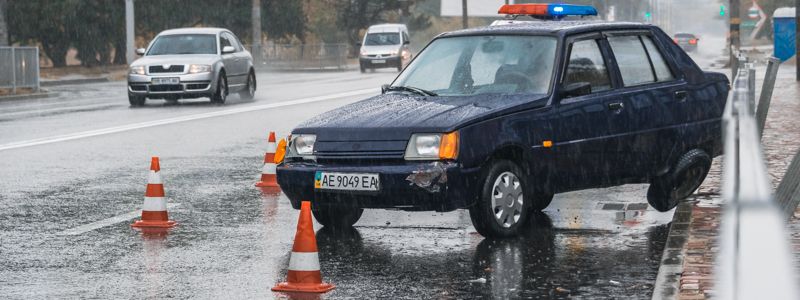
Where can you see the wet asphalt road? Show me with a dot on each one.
(74, 170)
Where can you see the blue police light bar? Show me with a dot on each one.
(552, 11)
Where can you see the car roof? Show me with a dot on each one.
(549, 27)
(194, 30)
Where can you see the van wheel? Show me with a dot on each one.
(400, 66)
(363, 68)
(502, 208)
(222, 90)
(336, 217)
(136, 101)
(667, 190)
(250, 91)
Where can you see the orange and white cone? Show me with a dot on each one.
(268, 177)
(154, 212)
(304, 274)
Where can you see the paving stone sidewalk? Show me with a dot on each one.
(780, 142)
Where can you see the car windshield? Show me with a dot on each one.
(471, 65)
(382, 39)
(184, 44)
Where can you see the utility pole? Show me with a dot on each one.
(3, 24)
(464, 15)
(256, 43)
(130, 34)
(736, 21)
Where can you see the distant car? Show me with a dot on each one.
(385, 46)
(499, 119)
(192, 63)
(687, 41)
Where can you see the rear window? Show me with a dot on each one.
(684, 35)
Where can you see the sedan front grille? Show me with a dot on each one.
(171, 69)
(166, 88)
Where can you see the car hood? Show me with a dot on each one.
(183, 59)
(397, 116)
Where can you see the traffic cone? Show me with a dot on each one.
(154, 212)
(304, 274)
(268, 177)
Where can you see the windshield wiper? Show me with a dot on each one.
(412, 89)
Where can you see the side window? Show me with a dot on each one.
(234, 42)
(405, 36)
(586, 64)
(634, 65)
(663, 73)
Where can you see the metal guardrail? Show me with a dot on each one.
(305, 56)
(19, 68)
(755, 259)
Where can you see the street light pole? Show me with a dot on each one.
(736, 20)
(130, 34)
(464, 20)
(256, 42)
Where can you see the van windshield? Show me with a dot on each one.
(382, 39)
(184, 44)
(472, 65)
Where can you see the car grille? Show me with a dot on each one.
(171, 69)
(197, 86)
(359, 150)
(378, 55)
(166, 88)
(139, 87)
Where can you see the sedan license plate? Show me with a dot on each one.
(166, 80)
(379, 61)
(347, 181)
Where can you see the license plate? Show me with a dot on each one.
(379, 61)
(166, 80)
(347, 181)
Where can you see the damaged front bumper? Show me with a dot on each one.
(412, 186)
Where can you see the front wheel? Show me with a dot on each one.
(502, 208)
(136, 101)
(336, 217)
(222, 90)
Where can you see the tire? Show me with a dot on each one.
(250, 91)
(501, 218)
(136, 101)
(335, 216)
(689, 173)
(400, 66)
(221, 94)
(363, 68)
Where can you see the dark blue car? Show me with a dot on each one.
(499, 119)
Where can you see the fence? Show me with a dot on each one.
(19, 68)
(755, 261)
(305, 56)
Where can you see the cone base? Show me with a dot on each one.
(267, 184)
(289, 287)
(153, 224)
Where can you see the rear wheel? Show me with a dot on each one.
(667, 190)
(222, 90)
(250, 91)
(502, 208)
(136, 101)
(335, 216)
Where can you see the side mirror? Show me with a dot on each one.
(576, 89)
(384, 87)
(140, 51)
(406, 42)
(228, 49)
(358, 44)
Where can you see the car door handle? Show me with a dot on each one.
(681, 96)
(616, 106)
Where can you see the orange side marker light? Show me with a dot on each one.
(280, 152)
(547, 144)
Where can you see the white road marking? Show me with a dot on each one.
(107, 222)
(60, 109)
(116, 129)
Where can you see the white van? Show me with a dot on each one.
(385, 46)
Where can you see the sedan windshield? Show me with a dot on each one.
(184, 44)
(471, 65)
(382, 39)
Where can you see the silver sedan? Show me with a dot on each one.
(192, 63)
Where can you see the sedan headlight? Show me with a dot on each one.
(304, 144)
(194, 69)
(432, 146)
(138, 70)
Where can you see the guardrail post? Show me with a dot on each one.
(13, 71)
(766, 93)
(751, 87)
(36, 59)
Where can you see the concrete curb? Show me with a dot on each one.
(667, 284)
(40, 95)
(74, 81)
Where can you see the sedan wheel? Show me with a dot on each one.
(222, 90)
(507, 199)
(502, 207)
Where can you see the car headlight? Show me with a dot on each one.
(393, 53)
(194, 69)
(432, 146)
(363, 52)
(138, 70)
(304, 144)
